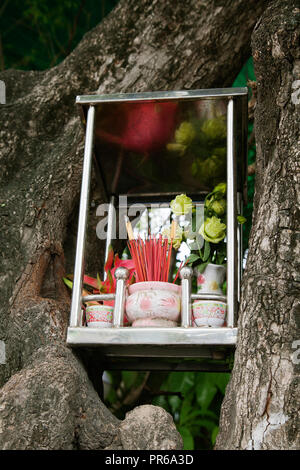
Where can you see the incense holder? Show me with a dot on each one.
(99, 316)
(153, 303)
(209, 313)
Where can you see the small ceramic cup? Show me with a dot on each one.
(99, 316)
(209, 313)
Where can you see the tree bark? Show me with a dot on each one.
(47, 398)
(261, 406)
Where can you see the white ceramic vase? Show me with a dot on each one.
(210, 312)
(211, 280)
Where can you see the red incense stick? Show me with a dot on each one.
(151, 256)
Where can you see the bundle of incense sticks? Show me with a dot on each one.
(152, 256)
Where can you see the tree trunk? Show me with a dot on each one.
(48, 396)
(261, 406)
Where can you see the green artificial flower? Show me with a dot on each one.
(185, 133)
(215, 201)
(205, 170)
(182, 204)
(196, 167)
(209, 171)
(213, 230)
(211, 166)
(218, 206)
(220, 152)
(241, 219)
(215, 129)
(220, 189)
(179, 233)
(178, 148)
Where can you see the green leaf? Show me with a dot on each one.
(201, 267)
(208, 385)
(161, 401)
(241, 219)
(99, 282)
(209, 414)
(220, 258)
(204, 423)
(187, 437)
(221, 380)
(194, 228)
(129, 378)
(175, 403)
(224, 287)
(111, 397)
(206, 389)
(192, 258)
(174, 382)
(186, 408)
(111, 282)
(68, 282)
(214, 434)
(205, 395)
(190, 417)
(179, 382)
(206, 251)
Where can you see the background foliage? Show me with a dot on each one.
(38, 34)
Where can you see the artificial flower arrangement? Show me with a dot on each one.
(207, 241)
(208, 254)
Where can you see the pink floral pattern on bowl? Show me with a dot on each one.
(209, 313)
(153, 299)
